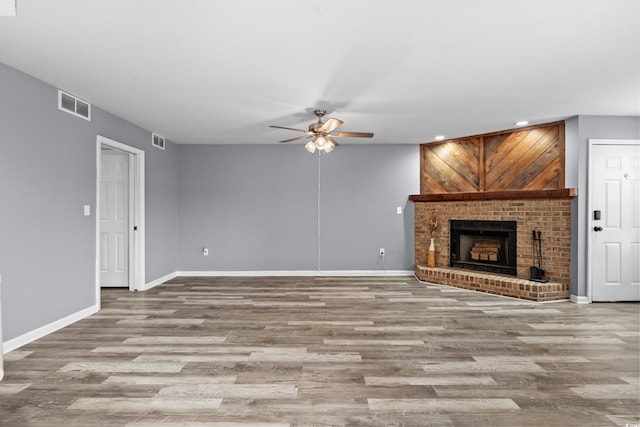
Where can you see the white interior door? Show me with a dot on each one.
(615, 220)
(136, 218)
(114, 219)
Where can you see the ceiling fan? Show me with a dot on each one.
(323, 134)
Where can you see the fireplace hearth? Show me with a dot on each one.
(488, 246)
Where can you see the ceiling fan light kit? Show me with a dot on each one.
(311, 147)
(322, 134)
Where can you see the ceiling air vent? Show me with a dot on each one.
(157, 141)
(73, 105)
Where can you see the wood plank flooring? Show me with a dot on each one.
(328, 351)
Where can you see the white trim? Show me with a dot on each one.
(159, 281)
(137, 264)
(45, 330)
(590, 144)
(96, 213)
(132, 212)
(589, 219)
(579, 299)
(614, 141)
(286, 273)
(139, 219)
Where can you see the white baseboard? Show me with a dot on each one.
(158, 281)
(579, 300)
(42, 331)
(275, 273)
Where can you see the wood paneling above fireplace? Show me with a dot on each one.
(530, 158)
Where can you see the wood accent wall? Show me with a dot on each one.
(530, 158)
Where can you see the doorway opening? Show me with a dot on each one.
(129, 229)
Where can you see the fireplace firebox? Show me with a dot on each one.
(483, 246)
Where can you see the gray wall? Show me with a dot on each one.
(47, 174)
(161, 204)
(256, 207)
(579, 130)
(361, 187)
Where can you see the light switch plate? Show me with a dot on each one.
(87, 210)
(399, 210)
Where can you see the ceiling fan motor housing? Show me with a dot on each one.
(314, 126)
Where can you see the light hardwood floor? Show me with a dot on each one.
(328, 351)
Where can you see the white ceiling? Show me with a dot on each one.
(221, 71)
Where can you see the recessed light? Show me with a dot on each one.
(522, 123)
(439, 137)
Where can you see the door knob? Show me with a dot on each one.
(596, 228)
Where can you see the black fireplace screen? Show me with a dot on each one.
(483, 246)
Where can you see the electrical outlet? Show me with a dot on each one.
(381, 251)
(205, 251)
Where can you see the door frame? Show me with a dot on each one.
(590, 144)
(136, 213)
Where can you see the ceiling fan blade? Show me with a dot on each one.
(353, 134)
(282, 127)
(297, 138)
(330, 125)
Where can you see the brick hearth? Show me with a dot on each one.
(494, 284)
(549, 213)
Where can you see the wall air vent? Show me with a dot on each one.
(72, 105)
(157, 141)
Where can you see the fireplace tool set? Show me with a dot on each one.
(536, 271)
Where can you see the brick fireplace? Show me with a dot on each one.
(514, 175)
(548, 211)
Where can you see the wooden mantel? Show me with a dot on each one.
(563, 193)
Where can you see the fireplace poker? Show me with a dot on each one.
(536, 272)
(540, 253)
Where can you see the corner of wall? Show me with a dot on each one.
(159, 281)
(579, 299)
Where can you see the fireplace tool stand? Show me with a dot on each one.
(536, 272)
